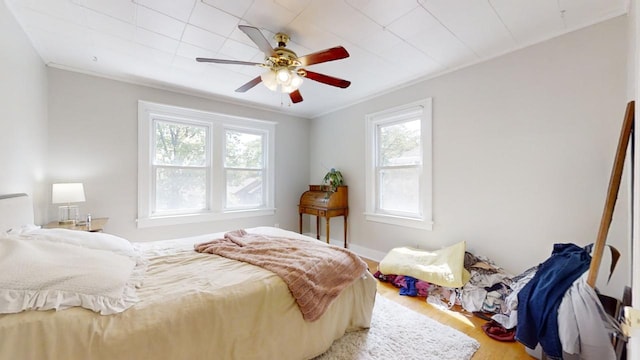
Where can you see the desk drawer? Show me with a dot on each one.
(312, 211)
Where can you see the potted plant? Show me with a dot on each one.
(333, 179)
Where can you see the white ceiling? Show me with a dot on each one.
(391, 43)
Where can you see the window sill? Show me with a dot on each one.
(400, 221)
(197, 218)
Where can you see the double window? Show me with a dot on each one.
(399, 165)
(197, 166)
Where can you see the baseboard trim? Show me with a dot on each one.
(363, 251)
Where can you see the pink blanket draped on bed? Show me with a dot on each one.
(315, 273)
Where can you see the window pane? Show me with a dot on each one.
(244, 188)
(399, 144)
(180, 189)
(243, 150)
(399, 190)
(180, 144)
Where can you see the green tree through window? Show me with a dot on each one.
(244, 169)
(179, 162)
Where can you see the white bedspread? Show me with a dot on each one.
(52, 270)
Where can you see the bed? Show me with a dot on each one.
(190, 306)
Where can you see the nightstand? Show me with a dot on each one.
(97, 224)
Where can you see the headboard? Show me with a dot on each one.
(15, 210)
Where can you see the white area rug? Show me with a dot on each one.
(400, 333)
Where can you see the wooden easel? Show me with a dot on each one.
(612, 194)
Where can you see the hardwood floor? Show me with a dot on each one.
(461, 320)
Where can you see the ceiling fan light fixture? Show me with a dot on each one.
(296, 80)
(269, 80)
(287, 89)
(283, 75)
(294, 83)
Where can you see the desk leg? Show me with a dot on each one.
(345, 231)
(328, 227)
(318, 227)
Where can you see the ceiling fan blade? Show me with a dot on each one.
(295, 96)
(326, 79)
(249, 85)
(334, 53)
(258, 38)
(223, 61)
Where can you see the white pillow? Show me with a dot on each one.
(91, 240)
(22, 229)
(44, 274)
(444, 267)
(15, 211)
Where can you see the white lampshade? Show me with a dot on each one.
(293, 85)
(67, 193)
(283, 76)
(296, 81)
(269, 80)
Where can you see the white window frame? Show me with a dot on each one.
(217, 123)
(423, 110)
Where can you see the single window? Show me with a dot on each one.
(399, 152)
(399, 165)
(198, 166)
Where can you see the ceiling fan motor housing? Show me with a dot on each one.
(284, 57)
(282, 39)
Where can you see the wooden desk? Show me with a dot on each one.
(97, 224)
(320, 202)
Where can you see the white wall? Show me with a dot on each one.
(93, 139)
(523, 149)
(23, 113)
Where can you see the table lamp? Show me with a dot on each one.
(66, 194)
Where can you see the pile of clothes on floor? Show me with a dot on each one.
(551, 301)
(486, 293)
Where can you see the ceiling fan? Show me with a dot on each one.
(285, 72)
